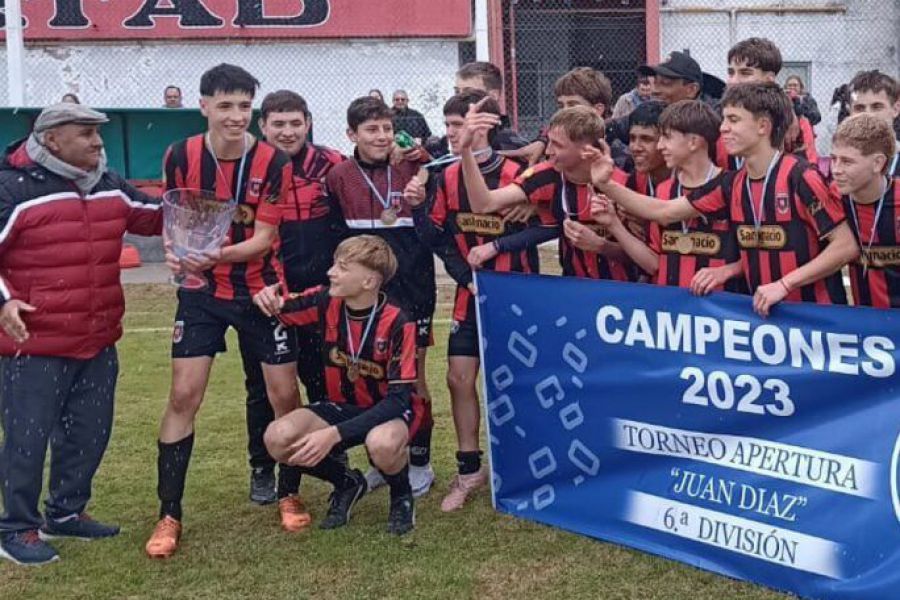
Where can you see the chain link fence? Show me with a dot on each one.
(823, 41)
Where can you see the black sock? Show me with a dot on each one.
(398, 482)
(288, 480)
(420, 448)
(172, 466)
(332, 471)
(468, 462)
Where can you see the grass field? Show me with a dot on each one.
(232, 549)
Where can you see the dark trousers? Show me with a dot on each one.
(310, 368)
(67, 403)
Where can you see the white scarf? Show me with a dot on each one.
(84, 180)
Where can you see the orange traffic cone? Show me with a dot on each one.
(130, 257)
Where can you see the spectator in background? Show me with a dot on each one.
(376, 93)
(804, 104)
(409, 120)
(71, 98)
(172, 97)
(629, 101)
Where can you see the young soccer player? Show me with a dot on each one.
(791, 232)
(369, 191)
(878, 94)
(562, 183)
(230, 162)
(860, 153)
(309, 233)
(758, 60)
(370, 377)
(452, 229)
(699, 254)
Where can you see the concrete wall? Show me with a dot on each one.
(865, 36)
(328, 74)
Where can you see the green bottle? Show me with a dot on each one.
(404, 140)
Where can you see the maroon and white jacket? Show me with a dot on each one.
(59, 252)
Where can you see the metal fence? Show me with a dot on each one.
(824, 41)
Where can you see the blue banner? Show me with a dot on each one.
(762, 449)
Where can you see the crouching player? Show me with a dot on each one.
(369, 347)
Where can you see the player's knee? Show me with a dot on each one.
(185, 399)
(277, 438)
(459, 382)
(385, 445)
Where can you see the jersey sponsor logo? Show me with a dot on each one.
(696, 243)
(367, 368)
(783, 204)
(178, 332)
(880, 257)
(769, 237)
(479, 224)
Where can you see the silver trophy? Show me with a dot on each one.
(195, 222)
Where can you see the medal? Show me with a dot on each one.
(389, 216)
(684, 244)
(866, 249)
(354, 352)
(219, 171)
(758, 216)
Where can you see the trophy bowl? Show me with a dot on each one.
(195, 222)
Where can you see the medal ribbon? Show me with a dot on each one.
(354, 352)
(868, 247)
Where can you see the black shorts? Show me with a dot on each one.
(335, 413)
(425, 332)
(202, 320)
(463, 339)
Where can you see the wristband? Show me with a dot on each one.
(785, 286)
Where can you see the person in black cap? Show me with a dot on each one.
(678, 78)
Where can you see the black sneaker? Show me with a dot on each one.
(262, 486)
(26, 548)
(81, 527)
(402, 518)
(343, 500)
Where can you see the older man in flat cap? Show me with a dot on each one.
(62, 217)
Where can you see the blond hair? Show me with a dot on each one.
(370, 251)
(580, 124)
(868, 134)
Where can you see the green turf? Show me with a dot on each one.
(232, 549)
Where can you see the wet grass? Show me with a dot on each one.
(232, 549)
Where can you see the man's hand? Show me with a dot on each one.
(193, 262)
(11, 320)
(269, 300)
(603, 211)
(767, 296)
(414, 193)
(475, 122)
(472, 289)
(313, 447)
(521, 213)
(707, 279)
(481, 254)
(602, 165)
(583, 237)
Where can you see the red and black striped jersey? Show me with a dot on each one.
(308, 199)
(452, 213)
(265, 184)
(878, 284)
(543, 184)
(797, 212)
(387, 356)
(895, 165)
(686, 247)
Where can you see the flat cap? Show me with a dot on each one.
(65, 113)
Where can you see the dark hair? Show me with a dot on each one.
(226, 79)
(365, 109)
(74, 98)
(763, 100)
(757, 52)
(875, 81)
(590, 84)
(646, 114)
(458, 105)
(490, 74)
(692, 117)
(283, 101)
(172, 87)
